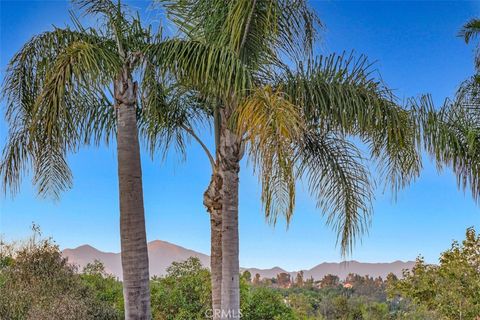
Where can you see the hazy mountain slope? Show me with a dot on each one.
(162, 254)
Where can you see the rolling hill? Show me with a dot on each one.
(163, 253)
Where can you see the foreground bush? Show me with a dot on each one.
(37, 283)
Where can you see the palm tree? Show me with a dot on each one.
(295, 118)
(57, 87)
(452, 133)
(71, 87)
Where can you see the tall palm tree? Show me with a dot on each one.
(58, 88)
(71, 87)
(294, 116)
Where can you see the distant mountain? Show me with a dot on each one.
(162, 254)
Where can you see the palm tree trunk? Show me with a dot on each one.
(229, 155)
(212, 201)
(134, 253)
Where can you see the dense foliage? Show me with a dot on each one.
(451, 289)
(36, 282)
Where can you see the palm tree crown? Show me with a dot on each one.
(298, 112)
(295, 116)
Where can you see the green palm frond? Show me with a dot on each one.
(340, 94)
(114, 19)
(336, 176)
(81, 64)
(27, 70)
(119, 24)
(249, 28)
(168, 111)
(298, 28)
(337, 92)
(52, 173)
(272, 125)
(452, 134)
(256, 30)
(16, 159)
(470, 30)
(57, 119)
(104, 7)
(210, 69)
(27, 75)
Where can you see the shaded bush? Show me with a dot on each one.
(37, 283)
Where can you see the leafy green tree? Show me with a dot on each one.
(247, 276)
(256, 279)
(341, 307)
(299, 279)
(293, 122)
(38, 284)
(105, 286)
(330, 280)
(266, 304)
(451, 289)
(301, 305)
(184, 293)
(375, 311)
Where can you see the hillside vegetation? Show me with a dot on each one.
(36, 282)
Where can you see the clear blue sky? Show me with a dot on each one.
(417, 51)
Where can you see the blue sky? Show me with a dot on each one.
(416, 51)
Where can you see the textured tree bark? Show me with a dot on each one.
(229, 155)
(134, 253)
(212, 201)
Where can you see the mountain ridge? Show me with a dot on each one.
(163, 253)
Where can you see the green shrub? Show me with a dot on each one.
(37, 283)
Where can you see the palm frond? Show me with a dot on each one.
(340, 94)
(470, 30)
(117, 23)
(80, 65)
(298, 28)
(27, 75)
(27, 70)
(52, 173)
(256, 30)
(212, 70)
(16, 159)
(168, 111)
(452, 134)
(272, 125)
(336, 176)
